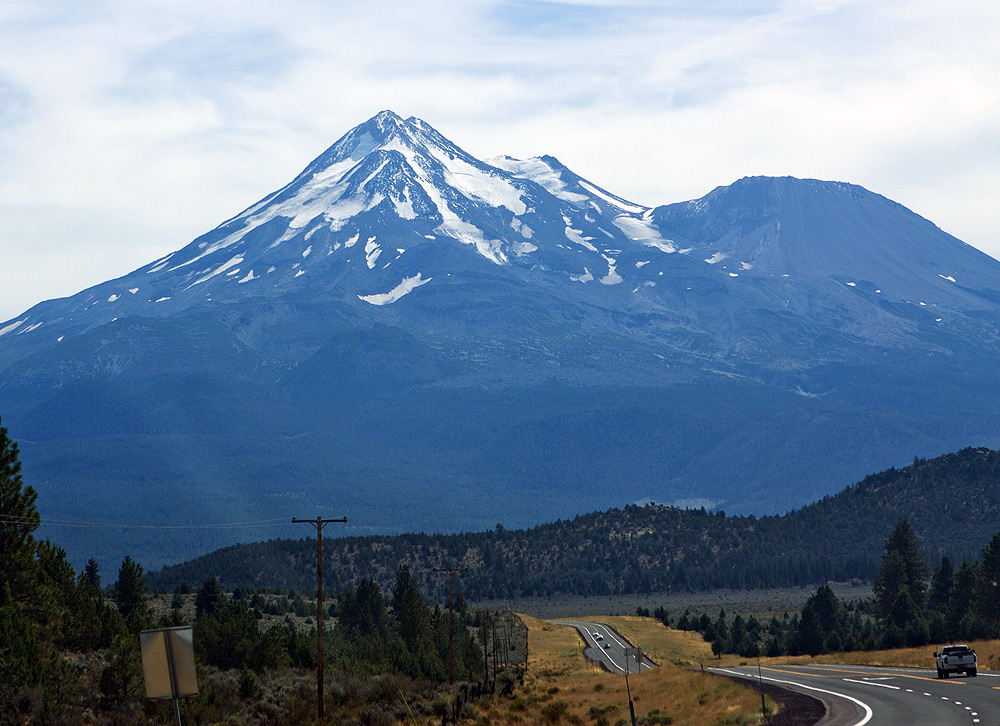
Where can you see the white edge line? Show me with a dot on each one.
(865, 706)
(872, 683)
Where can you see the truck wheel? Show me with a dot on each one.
(940, 674)
(972, 673)
(945, 673)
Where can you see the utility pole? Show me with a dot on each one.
(465, 629)
(760, 680)
(451, 650)
(318, 523)
(494, 623)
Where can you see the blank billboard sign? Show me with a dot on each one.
(168, 662)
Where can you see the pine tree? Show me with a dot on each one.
(809, 638)
(900, 588)
(18, 519)
(941, 584)
(131, 594)
(210, 598)
(988, 589)
(960, 619)
(90, 579)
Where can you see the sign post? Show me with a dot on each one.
(168, 664)
(637, 654)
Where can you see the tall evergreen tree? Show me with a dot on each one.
(941, 584)
(961, 621)
(210, 598)
(18, 519)
(900, 588)
(988, 590)
(131, 594)
(809, 638)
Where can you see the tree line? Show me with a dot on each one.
(911, 606)
(652, 548)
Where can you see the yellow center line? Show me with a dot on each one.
(856, 672)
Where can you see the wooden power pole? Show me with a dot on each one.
(451, 648)
(318, 523)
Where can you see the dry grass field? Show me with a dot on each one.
(762, 603)
(562, 687)
(987, 652)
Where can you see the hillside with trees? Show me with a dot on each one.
(913, 605)
(69, 647)
(952, 502)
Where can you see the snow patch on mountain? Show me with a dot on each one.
(404, 206)
(485, 187)
(612, 278)
(408, 285)
(538, 171)
(372, 252)
(575, 235)
(470, 234)
(6, 329)
(642, 231)
(232, 262)
(620, 203)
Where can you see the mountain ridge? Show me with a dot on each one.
(506, 340)
(650, 549)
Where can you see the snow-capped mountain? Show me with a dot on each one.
(508, 341)
(370, 219)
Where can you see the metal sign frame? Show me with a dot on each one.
(168, 664)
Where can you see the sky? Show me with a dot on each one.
(130, 127)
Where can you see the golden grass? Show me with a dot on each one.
(562, 687)
(987, 652)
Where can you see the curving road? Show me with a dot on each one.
(868, 696)
(596, 636)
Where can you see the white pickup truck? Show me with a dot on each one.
(955, 659)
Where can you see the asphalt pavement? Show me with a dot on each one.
(613, 657)
(870, 696)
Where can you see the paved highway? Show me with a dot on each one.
(866, 696)
(612, 657)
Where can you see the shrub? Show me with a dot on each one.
(553, 712)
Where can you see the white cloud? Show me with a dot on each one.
(128, 128)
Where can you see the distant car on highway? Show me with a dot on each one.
(956, 659)
(607, 646)
(598, 636)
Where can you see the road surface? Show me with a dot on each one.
(613, 657)
(867, 696)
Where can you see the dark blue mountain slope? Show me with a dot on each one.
(423, 340)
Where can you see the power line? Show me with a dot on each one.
(76, 523)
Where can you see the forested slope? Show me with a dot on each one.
(952, 503)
